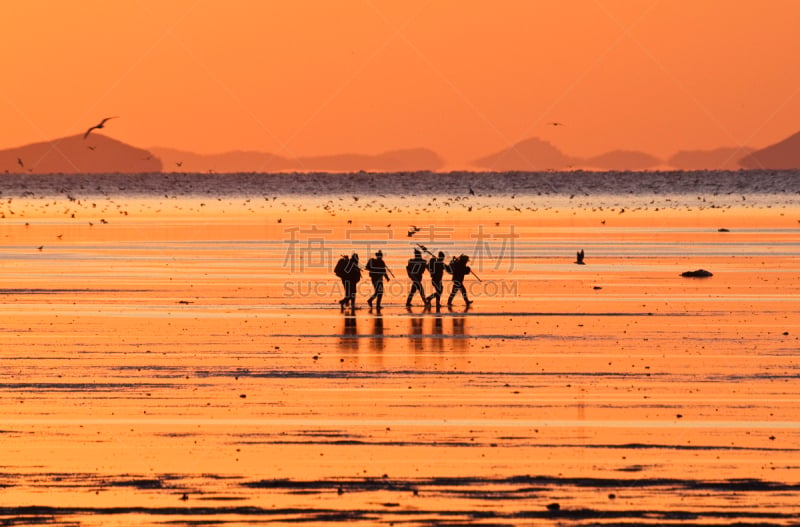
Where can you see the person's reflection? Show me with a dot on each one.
(459, 329)
(416, 333)
(349, 339)
(437, 333)
(377, 332)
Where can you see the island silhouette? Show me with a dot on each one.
(782, 155)
(76, 155)
(406, 160)
(536, 154)
(532, 154)
(724, 158)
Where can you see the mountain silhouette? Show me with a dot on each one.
(536, 154)
(724, 158)
(529, 154)
(782, 155)
(622, 160)
(413, 159)
(74, 154)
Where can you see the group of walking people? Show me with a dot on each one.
(348, 270)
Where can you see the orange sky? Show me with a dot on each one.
(464, 78)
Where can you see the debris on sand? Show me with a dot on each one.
(699, 273)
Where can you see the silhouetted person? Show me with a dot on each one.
(579, 259)
(352, 276)
(377, 273)
(340, 270)
(415, 269)
(436, 267)
(459, 269)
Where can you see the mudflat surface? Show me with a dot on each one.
(183, 360)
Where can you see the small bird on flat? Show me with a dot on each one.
(101, 124)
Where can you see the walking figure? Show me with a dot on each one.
(459, 269)
(353, 277)
(436, 267)
(415, 269)
(340, 270)
(377, 272)
(348, 270)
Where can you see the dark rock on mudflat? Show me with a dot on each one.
(699, 273)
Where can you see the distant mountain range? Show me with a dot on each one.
(535, 154)
(100, 154)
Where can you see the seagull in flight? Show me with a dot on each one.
(555, 123)
(100, 125)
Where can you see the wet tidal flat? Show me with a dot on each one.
(195, 368)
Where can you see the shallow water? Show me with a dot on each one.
(184, 361)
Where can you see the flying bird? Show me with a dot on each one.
(555, 123)
(97, 126)
(579, 259)
(20, 163)
(414, 230)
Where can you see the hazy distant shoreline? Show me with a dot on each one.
(779, 182)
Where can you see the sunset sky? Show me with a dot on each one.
(464, 78)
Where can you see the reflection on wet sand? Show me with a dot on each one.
(377, 342)
(349, 340)
(460, 329)
(437, 332)
(416, 333)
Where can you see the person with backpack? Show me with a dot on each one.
(340, 270)
(352, 273)
(459, 269)
(436, 267)
(377, 273)
(415, 269)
